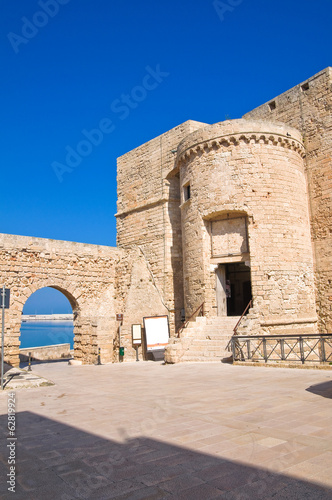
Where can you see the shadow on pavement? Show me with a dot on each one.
(324, 389)
(56, 461)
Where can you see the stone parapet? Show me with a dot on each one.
(45, 353)
(233, 132)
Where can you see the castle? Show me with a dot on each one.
(238, 211)
(209, 216)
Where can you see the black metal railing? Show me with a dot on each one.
(198, 312)
(276, 348)
(242, 315)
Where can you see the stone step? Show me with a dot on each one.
(218, 320)
(220, 339)
(205, 332)
(204, 339)
(199, 326)
(207, 335)
(207, 357)
(229, 320)
(202, 342)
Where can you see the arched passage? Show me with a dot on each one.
(19, 297)
(47, 320)
(72, 302)
(85, 274)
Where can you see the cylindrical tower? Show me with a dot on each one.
(245, 225)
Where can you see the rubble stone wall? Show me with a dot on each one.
(98, 281)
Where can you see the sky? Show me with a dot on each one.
(47, 301)
(85, 81)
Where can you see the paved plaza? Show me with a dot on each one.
(189, 431)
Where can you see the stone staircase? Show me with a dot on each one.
(204, 339)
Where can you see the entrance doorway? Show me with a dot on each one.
(233, 288)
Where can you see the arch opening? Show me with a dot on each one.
(48, 322)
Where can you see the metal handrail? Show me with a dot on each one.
(238, 323)
(285, 336)
(199, 310)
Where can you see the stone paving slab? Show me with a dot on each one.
(17, 378)
(136, 431)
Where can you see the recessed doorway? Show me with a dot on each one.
(233, 288)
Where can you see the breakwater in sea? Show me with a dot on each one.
(46, 317)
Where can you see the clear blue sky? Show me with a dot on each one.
(64, 78)
(47, 301)
(67, 70)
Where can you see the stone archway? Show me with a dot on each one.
(85, 274)
(19, 296)
(38, 327)
(97, 280)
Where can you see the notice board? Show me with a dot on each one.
(156, 332)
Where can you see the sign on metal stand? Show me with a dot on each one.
(137, 337)
(4, 304)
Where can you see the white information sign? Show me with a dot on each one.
(137, 334)
(156, 332)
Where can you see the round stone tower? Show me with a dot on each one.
(245, 225)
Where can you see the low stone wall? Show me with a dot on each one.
(47, 352)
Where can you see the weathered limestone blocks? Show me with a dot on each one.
(206, 213)
(83, 273)
(249, 171)
(149, 216)
(308, 107)
(98, 281)
(205, 339)
(141, 298)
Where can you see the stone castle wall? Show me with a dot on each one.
(149, 216)
(83, 273)
(271, 169)
(253, 170)
(308, 107)
(98, 281)
(255, 192)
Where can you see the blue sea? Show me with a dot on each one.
(40, 333)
